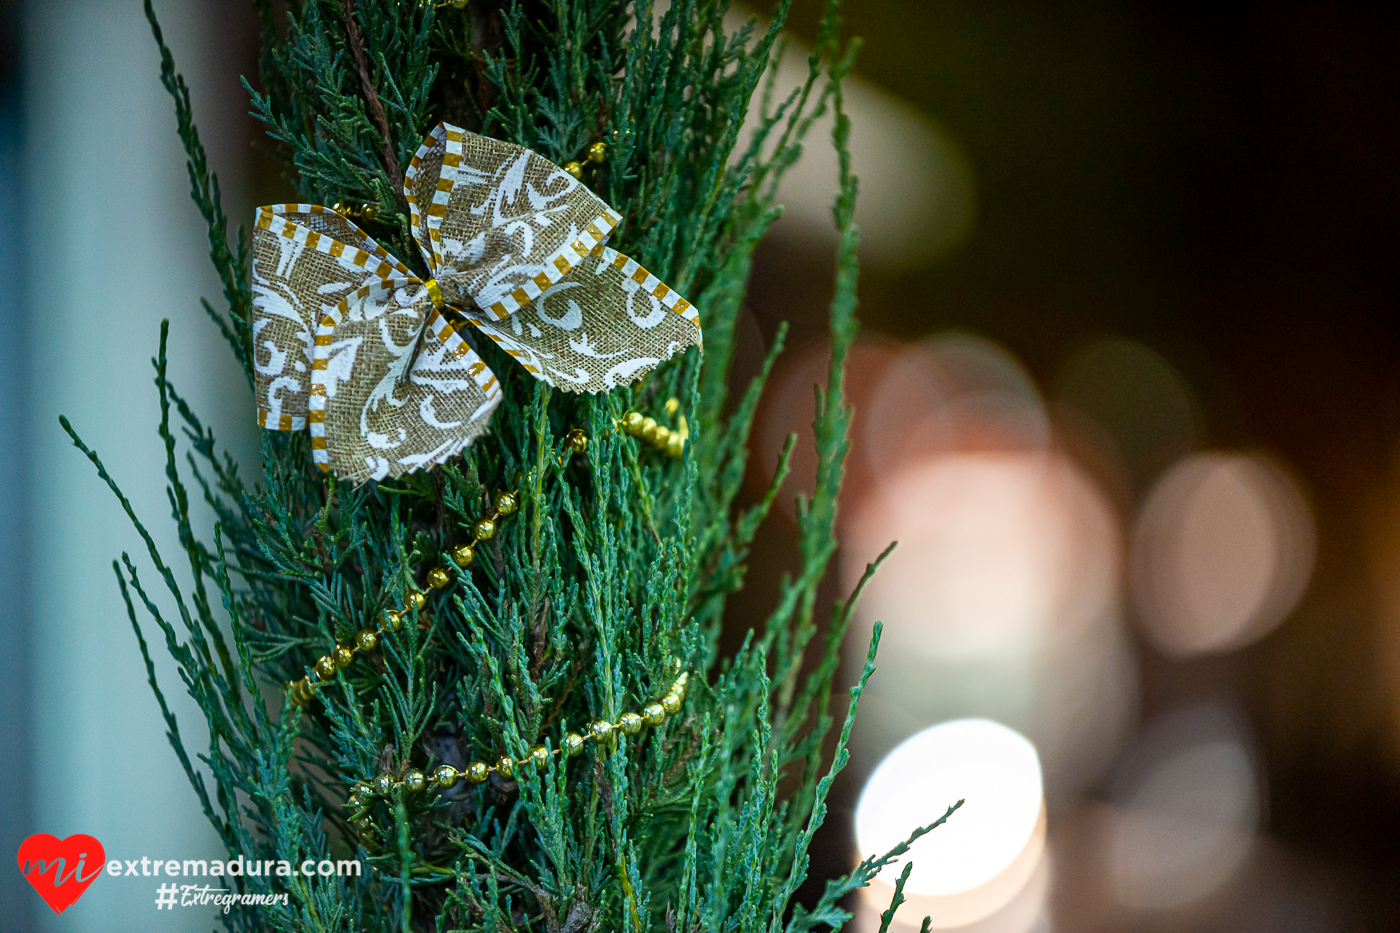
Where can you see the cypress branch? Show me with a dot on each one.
(613, 574)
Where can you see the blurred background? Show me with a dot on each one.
(1125, 395)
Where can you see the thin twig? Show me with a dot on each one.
(376, 109)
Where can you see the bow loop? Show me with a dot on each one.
(304, 256)
(497, 221)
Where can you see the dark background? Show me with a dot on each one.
(1218, 181)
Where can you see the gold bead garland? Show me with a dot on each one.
(446, 777)
(648, 429)
(352, 212)
(367, 639)
(463, 555)
(597, 153)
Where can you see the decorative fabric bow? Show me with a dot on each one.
(348, 341)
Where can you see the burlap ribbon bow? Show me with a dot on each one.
(348, 341)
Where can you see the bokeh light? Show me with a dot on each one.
(1187, 804)
(918, 197)
(1002, 599)
(990, 848)
(1222, 551)
(954, 391)
(996, 550)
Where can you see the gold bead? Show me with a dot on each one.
(678, 688)
(573, 744)
(354, 803)
(574, 169)
(597, 152)
(414, 601)
(394, 617)
(660, 437)
(362, 791)
(366, 639)
(506, 504)
(414, 780)
(485, 529)
(463, 555)
(647, 431)
(325, 668)
(458, 4)
(539, 755)
(506, 767)
(675, 446)
(344, 656)
(384, 785)
(654, 714)
(446, 776)
(630, 723)
(602, 731)
(438, 578)
(477, 772)
(632, 422)
(673, 405)
(671, 703)
(577, 441)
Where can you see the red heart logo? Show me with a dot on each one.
(65, 860)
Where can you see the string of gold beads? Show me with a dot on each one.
(353, 212)
(648, 429)
(367, 639)
(596, 154)
(463, 555)
(446, 777)
(576, 441)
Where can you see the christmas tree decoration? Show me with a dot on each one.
(446, 776)
(668, 441)
(365, 353)
(471, 609)
(342, 656)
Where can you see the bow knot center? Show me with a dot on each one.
(435, 293)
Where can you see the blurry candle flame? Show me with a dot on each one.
(1001, 826)
(1222, 551)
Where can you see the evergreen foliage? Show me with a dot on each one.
(615, 571)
